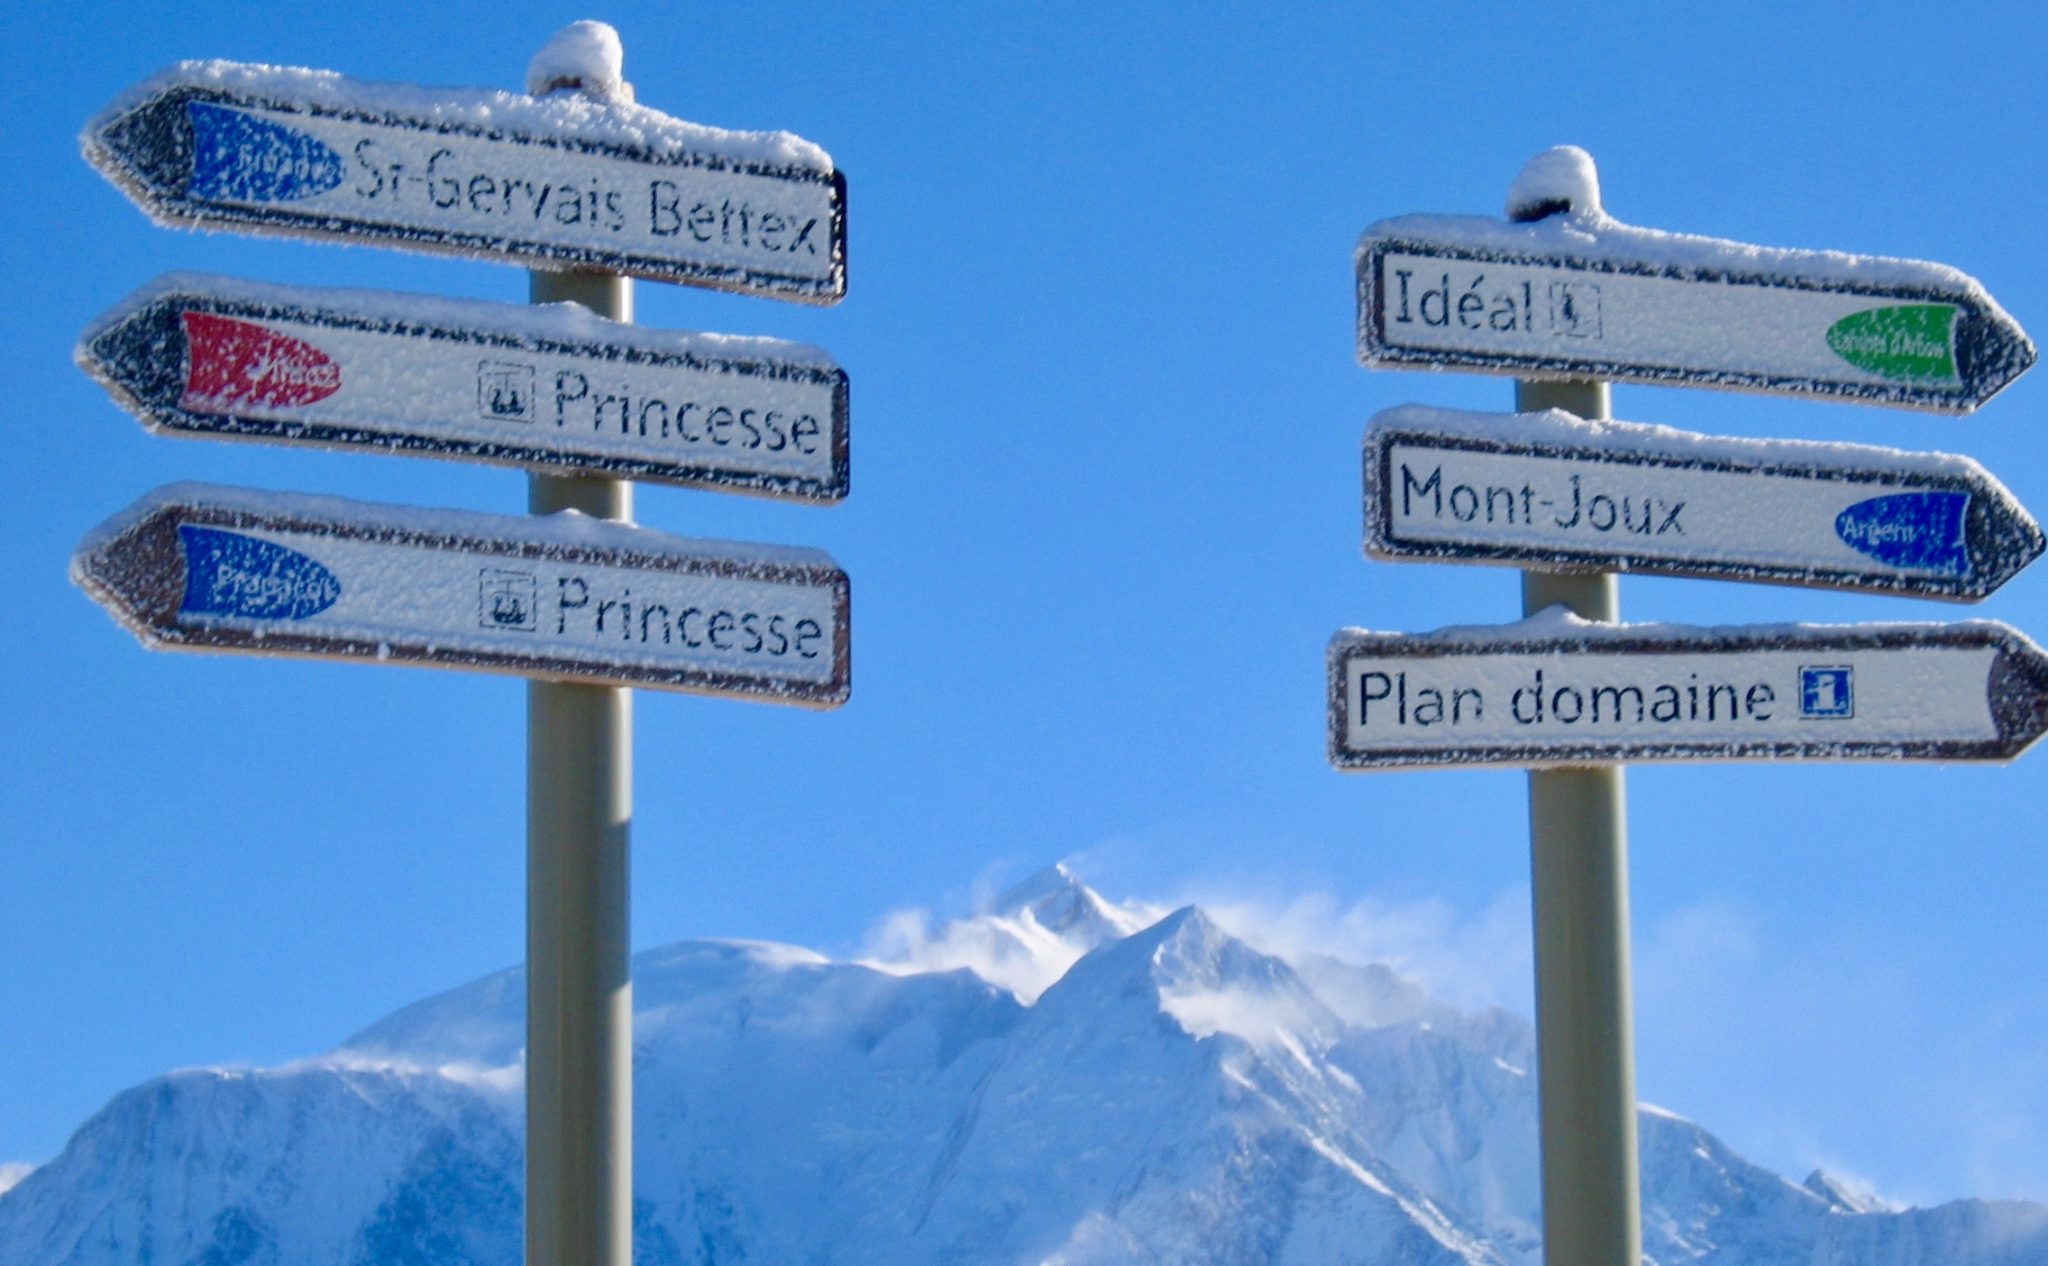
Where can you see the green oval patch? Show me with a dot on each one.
(1914, 342)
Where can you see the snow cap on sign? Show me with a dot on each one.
(534, 323)
(583, 56)
(1559, 623)
(581, 116)
(1555, 426)
(1560, 180)
(563, 530)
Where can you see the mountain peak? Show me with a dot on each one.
(1056, 900)
(1848, 1196)
(1050, 881)
(1187, 967)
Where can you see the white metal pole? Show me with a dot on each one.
(1585, 1042)
(579, 986)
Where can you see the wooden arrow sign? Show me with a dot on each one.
(1556, 690)
(1583, 296)
(554, 182)
(196, 567)
(547, 388)
(1553, 491)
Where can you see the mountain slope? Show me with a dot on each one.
(1173, 1095)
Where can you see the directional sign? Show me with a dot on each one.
(196, 567)
(550, 388)
(1556, 690)
(1552, 490)
(560, 181)
(1579, 296)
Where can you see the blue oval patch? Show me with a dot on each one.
(1918, 530)
(237, 157)
(227, 573)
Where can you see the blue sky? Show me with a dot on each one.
(1105, 516)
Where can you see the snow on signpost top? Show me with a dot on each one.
(1561, 179)
(585, 56)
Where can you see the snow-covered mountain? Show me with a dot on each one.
(1133, 1087)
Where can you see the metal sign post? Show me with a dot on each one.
(579, 980)
(1585, 1026)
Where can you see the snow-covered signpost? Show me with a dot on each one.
(1566, 299)
(1553, 490)
(553, 388)
(1557, 691)
(1552, 294)
(197, 567)
(569, 176)
(551, 180)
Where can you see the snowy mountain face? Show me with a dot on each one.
(1167, 1094)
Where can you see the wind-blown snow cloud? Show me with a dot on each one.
(1022, 941)
(1012, 954)
(12, 1172)
(1468, 958)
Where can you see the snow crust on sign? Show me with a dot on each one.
(569, 529)
(564, 321)
(569, 115)
(795, 1108)
(1561, 623)
(1556, 426)
(1557, 180)
(1588, 232)
(584, 56)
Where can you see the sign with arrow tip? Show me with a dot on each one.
(1552, 491)
(551, 388)
(1583, 296)
(1556, 690)
(198, 567)
(553, 182)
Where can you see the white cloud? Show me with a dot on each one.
(12, 1172)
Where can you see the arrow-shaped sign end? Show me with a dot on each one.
(137, 351)
(2009, 542)
(1991, 351)
(145, 148)
(2017, 692)
(134, 566)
